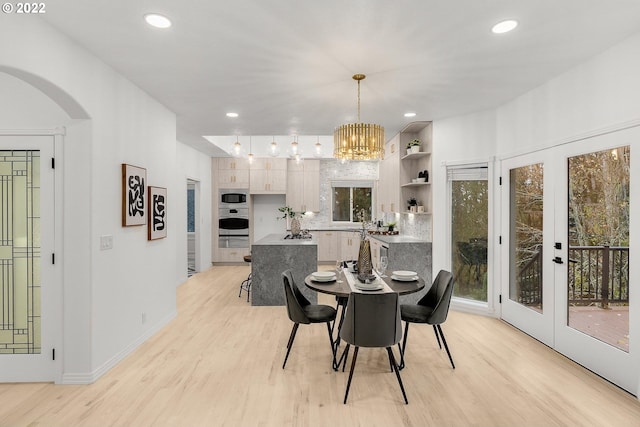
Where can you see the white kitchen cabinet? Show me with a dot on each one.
(231, 254)
(232, 172)
(303, 185)
(349, 245)
(327, 245)
(389, 181)
(268, 176)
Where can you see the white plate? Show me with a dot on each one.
(404, 279)
(324, 279)
(404, 273)
(323, 274)
(369, 287)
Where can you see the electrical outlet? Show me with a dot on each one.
(106, 242)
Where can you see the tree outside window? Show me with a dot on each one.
(348, 200)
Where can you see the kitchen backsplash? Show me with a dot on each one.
(418, 226)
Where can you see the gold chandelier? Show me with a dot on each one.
(358, 141)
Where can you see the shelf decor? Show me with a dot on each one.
(359, 141)
(134, 181)
(157, 225)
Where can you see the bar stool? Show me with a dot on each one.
(246, 283)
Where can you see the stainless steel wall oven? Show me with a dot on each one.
(233, 219)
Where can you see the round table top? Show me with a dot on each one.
(341, 287)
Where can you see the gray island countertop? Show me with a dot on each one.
(272, 255)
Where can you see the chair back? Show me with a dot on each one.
(439, 297)
(372, 320)
(294, 303)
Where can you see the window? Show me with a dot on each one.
(350, 199)
(469, 196)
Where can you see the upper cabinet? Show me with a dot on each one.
(303, 185)
(268, 176)
(389, 173)
(232, 172)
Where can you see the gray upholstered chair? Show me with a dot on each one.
(432, 309)
(300, 310)
(372, 320)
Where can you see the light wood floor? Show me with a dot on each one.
(219, 364)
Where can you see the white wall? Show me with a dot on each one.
(196, 166)
(265, 215)
(105, 292)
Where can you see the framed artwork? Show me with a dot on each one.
(157, 225)
(134, 186)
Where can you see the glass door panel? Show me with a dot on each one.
(527, 204)
(598, 236)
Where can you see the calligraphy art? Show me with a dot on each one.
(157, 225)
(134, 187)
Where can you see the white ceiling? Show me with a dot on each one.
(285, 66)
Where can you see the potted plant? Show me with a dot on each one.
(412, 203)
(391, 225)
(413, 146)
(289, 214)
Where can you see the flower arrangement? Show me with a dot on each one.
(288, 212)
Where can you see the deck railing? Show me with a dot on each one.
(597, 275)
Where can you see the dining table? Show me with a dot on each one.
(346, 282)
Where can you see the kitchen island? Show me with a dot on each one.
(272, 255)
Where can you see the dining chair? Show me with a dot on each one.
(372, 320)
(300, 310)
(432, 309)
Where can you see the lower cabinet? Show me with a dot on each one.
(231, 254)
(327, 246)
(349, 245)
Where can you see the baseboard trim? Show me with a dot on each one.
(91, 377)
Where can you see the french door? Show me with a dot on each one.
(30, 315)
(567, 241)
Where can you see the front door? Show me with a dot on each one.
(29, 311)
(568, 237)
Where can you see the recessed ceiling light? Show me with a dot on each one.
(156, 20)
(232, 114)
(504, 26)
(409, 114)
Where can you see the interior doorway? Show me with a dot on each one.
(192, 227)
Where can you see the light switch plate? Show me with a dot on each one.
(106, 242)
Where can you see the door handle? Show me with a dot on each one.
(558, 260)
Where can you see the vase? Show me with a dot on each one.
(414, 149)
(365, 267)
(295, 226)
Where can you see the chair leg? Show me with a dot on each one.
(446, 347)
(435, 331)
(404, 345)
(395, 368)
(344, 357)
(353, 364)
(333, 349)
(290, 343)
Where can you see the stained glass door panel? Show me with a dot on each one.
(20, 327)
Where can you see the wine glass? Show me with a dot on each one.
(382, 266)
(339, 266)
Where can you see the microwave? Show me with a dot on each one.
(232, 198)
